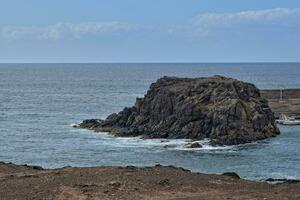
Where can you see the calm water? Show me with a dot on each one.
(38, 102)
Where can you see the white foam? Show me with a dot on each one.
(278, 175)
(170, 144)
(175, 144)
(205, 146)
(74, 125)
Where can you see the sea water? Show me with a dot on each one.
(39, 102)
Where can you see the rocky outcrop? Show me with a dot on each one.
(225, 110)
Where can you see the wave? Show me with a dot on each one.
(168, 144)
(204, 143)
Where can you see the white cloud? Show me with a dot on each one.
(206, 21)
(62, 30)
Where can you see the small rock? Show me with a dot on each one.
(106, 191)
(37, 168)
(75, 125)
(178, 168)
(170, 146)
(67, 166)
(194, 145)
(130, 167)
(232, 175)
(33, 167)
(115, 184)
(164, 182)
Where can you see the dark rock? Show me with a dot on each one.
(33, 167)
(194, 145)
(75, 126)
(164, 141)
(91, 123)
(115, 184)
(131, 167)
(37, 167)
(225, 110)
(170, 146)
(67, 167)
(178, 168)
(232, 175)
(164, 182)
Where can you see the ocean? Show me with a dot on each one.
(40, 102)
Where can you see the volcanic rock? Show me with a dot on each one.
(225, 110)
(194, 145)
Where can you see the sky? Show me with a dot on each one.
(149, 31)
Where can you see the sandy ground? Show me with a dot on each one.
(24, 182)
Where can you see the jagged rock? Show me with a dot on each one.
(91, 123)
(225, 110)
(194, 145)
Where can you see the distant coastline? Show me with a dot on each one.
(283, 101)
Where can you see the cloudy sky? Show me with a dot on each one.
(150, 31)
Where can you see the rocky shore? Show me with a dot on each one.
(225, 110)
(158, 182)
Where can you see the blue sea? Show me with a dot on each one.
(40, 102)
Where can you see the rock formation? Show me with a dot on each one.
(225, 110)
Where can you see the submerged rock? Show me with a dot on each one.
(225, 110)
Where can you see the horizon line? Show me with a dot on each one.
(233, 62)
